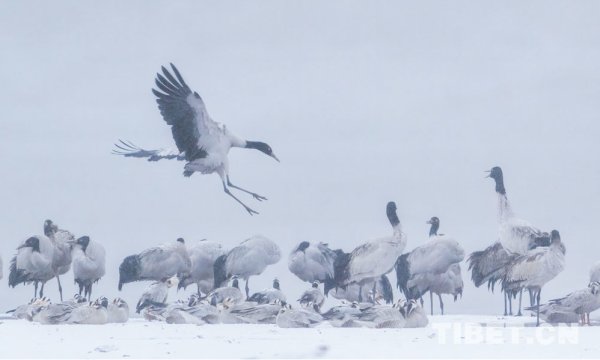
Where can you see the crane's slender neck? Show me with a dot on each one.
(504, 208)
(394, 221)
(434, 229)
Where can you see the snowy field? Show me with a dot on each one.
(454, 336)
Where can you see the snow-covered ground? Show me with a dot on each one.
(456, 336)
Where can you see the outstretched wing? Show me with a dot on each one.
(127, 149)
(193, 130)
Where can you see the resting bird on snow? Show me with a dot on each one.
(249, 312)
(381, 316)
(89, 260)
(372, 259)
(203, 255)
(342, 315)
(536, 268)
(218, 295)
(313, 297)
(297, 318)
(156, 263)
(267, 296)
(574, 307)
(156, 293)
(29, 310)
(355, 292)
(431, 267)
(415, 315)
(118, 311)
(314, 262)
(202, 143)
(249, 258)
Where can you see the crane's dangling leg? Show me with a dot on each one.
(226, 189)
(255, 195)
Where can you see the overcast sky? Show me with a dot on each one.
(363, 102)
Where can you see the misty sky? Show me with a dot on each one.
(363, 102)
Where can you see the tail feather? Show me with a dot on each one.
(402, 274)
(340, 267)
(220, 273)
(388, 292)
(17, 276)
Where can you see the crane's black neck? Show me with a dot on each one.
(434, 228)
(391, 214)
(499, 179)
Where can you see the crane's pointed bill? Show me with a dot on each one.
(274, 157)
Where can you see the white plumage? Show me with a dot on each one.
(537, 267)
(573, 307)
(156, 263)
(156, 293)
(313, 262)
(374, 258)
(249, 258)
(33, 263)
(432, 267)
(516, 235)
(203, 143)
(89, 261)
(297, 318)
(118, 311)
(203, 255)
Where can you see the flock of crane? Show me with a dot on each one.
(524, 258)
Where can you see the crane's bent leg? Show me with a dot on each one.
(255, 195)
(226, 189)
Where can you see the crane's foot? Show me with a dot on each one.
(258, 197)
(250, 211)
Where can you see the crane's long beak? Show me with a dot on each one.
(428, 222)
(275, 157)
(489, 172)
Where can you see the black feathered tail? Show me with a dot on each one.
(388, 292)
(220, 274)
(17, 276)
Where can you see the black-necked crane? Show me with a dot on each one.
(201, 142)
(372, 259)
(537, 267)
(433, 266)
